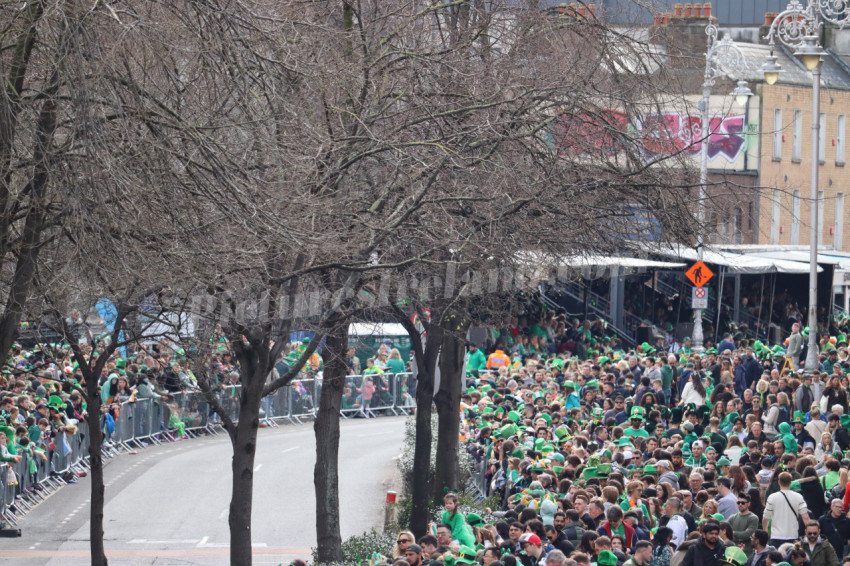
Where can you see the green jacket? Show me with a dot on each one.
(822, 555)
(477, 361)
(461, 531)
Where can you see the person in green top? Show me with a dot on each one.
(475, 360)
(394, 362)
(461, 531)
(697, 459)
(636, 423)
(831, 478)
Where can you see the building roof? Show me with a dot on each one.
(728, 12)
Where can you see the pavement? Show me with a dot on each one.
(168, 505)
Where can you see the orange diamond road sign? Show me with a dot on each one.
(699, 274)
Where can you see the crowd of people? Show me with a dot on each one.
(655, 455)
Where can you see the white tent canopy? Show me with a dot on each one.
(735, 262)
(802, 256)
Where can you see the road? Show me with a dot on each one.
(169, 504)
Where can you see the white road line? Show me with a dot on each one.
(257, 468)
(223, 514)
(289, 450)
(203, 542)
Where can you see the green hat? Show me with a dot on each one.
(562, 433)
(514, 416)
(466, 555)
(558, 457)
(474, 519)
(547, 448)
(799, 417)
(805, 331)
(719, 517)
(56, 402)
(845, 421)
(518, 453)
(569, 383)
(736, 557)
(624, 441)
(603, 470)
(638, 413)
(589, 473)
(841, 338)
(724, 461)
(650, 469)
(538, 395)
(538, 443)
(593, 384)
(795, 486)
(597, 413)
(558, 469)
(603, 360)
(547, 418)
(120, 363)
(607, 454)
(606, 558)
(777, 350)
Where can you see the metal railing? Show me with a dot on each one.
(143, 422)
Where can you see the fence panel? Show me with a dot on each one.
(229, 401)
(302, 399)
(383, 397)
(352, 399)
(403, 394)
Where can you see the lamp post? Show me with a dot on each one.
(799, 27)
(723, 58)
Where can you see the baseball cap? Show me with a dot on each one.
(531, 538)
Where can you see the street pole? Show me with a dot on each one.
(799, 27)
(812, 361)
(722, 59)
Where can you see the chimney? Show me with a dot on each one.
(697, 10)
(688, 10)
(677, 10)
(658, 19)
(591, 10)
(582, 10)
(769, 17)
(706, 10)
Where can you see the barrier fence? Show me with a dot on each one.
(142, 422)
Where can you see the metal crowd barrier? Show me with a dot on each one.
(157, 420)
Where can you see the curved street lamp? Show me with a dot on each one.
(723, 58)
(799, 27)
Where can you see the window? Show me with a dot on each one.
(820, 214)
(839, 222)
(775, 217)
(739, 225)
(777, 134)
(822, 139)
(839, 139)
(795, 217)
(798, 135)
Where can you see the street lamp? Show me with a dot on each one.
(723, 58)
(799, 27)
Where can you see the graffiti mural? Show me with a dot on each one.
(608, 133)
(674, 131)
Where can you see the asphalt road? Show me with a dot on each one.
(168, 505)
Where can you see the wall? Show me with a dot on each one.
(780, 177)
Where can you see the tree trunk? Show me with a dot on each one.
(422, 480)
(244, 451)
(98, 492)
(421, 492)
(326, 474)
(447, 400)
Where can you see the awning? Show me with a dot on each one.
(802, 256)
(580, 262)
(734, 262)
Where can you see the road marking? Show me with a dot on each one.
(203, 542)
(374, 434)
(289, 450)
(257, 468)
(223, 514)
(146, 541)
